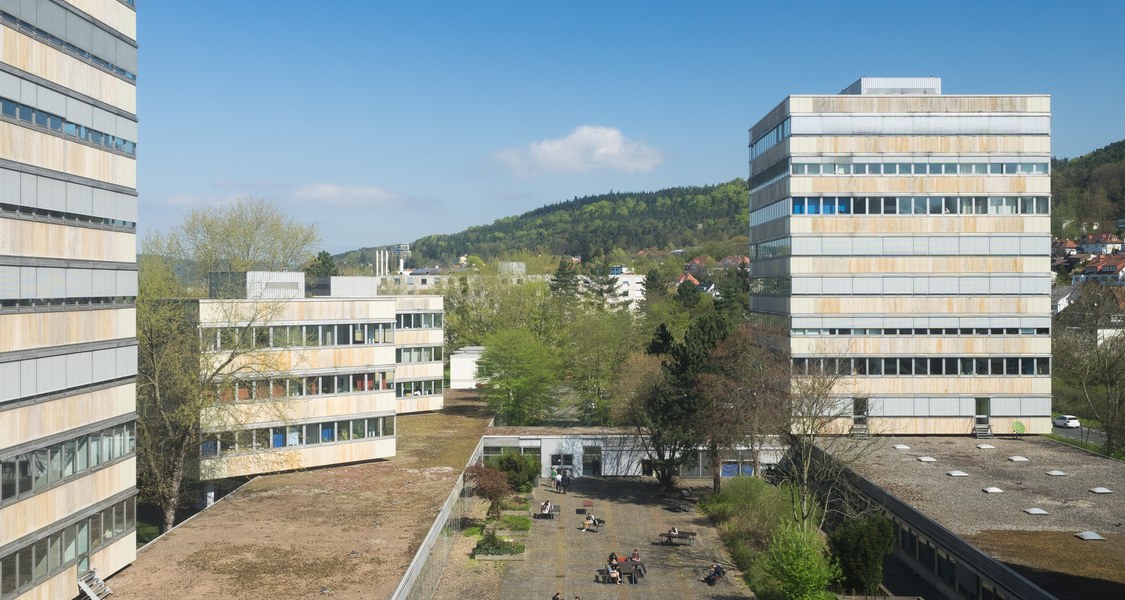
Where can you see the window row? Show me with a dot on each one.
(53, 122)
(769, 139)
(419, 321)
(316, 385)
(297, 336)
(942, 331)
(418, 355)
(62, 303)
(68, 47)
(28, 473)
(925, 366)
(923, 205)
(771, 249)
(51, 554)
(771, 285)
(287, 436)
(418, 388)
(921, 168)
(67, 217)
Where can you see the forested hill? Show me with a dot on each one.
(675, 217)
(1090, 188)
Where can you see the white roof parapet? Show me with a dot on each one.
(894, 86)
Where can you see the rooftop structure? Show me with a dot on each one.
(1040, 545)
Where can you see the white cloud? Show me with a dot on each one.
(339, 195)
(587, 148)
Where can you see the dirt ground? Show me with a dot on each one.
(1092, 569)
(346, 531)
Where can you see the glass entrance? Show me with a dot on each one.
(983, 410)
(592, 461)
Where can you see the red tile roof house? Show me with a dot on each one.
(1101, 243)
(1107, 270)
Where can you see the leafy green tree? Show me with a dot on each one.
(595, 347)
(322, 265)
(565, 281)
(663, 415)
(519, 375)
(860, 545)
(688, 296)
(796, 564)
(522, 470)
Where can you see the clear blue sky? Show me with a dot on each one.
(386, 121)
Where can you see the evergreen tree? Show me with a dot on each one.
(565, 281)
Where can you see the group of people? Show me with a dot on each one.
(612, 566)
(561, 479)
(715, 575)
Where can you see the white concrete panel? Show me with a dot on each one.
(79, 369)
(51, 374)
(103, 365)
(127, 361)
(28, 377)
(10, 376)
(9, 282)
(1005, 407)
(921, 407)
(1034, 407)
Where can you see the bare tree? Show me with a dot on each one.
(179, 380)
(824, 413)
(1089, 353)
(743, 394)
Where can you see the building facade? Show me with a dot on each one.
(68, 285)
(317, 381)
(902, 237)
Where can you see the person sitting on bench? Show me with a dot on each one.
(613, 574)
(545, 508)
(588, 522)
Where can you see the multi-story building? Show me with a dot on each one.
(68, 133)
(313, 381)
(902, 237)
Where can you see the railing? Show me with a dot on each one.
(422, 576)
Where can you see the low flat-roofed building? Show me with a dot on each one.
(972, 543)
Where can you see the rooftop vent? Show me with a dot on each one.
(1017, 458)
(901, 447)
(1056, 473)
(927, 459)
(985, 446)
(1089, 535)
(1101, 490)
(1035, 511)
(957, 474)
(993, 490)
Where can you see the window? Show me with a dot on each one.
(558, 460)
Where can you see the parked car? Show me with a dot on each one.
(1067, 421)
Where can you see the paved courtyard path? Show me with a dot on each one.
(561, 557)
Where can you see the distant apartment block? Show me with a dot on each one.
(323, 377)
(68, 286)
(902, 237)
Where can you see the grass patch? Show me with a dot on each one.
(745, 512)
(472, 530)
(517, 503)
(491, 544)
(514, 523)
(146, 532)
(1091, 446)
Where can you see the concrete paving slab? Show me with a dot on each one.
(562, 558)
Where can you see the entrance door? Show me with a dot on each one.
(592, 461)
(983, 410)
(859, 412)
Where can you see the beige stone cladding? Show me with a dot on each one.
(41, 60)
(48, 240)
(29, 422)
(302, 457)
(419, 384)
(57, 503)
(25, 331)
(114, 15)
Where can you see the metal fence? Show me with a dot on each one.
(422, 576)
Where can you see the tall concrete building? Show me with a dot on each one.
(902, 237)
(68, 132)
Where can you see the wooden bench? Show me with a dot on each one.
(669, 538)
(596, 526)
(555, 511)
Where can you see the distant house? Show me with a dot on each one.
(1064, 247)
(687, 277)
(733, 262)
(1107, 270)
(1101, 243)
(1062, 297)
